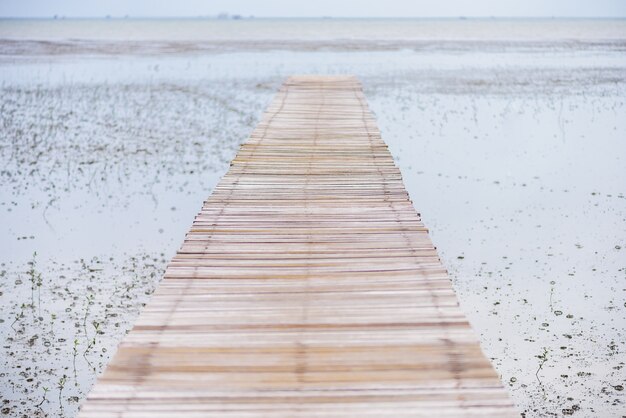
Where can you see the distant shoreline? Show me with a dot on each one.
(244, 17)
(33, 48)
(341, 34)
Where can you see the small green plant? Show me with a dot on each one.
(18, 316)
(543, 358)
(91, 343)
(61, 385)
(53, 318)
(552, 283)
(90, 301)
(39, 284)
(36, 282)
(75, 353)
(45, 397)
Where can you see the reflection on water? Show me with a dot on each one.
(514, 158)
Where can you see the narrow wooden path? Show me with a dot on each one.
(306, 287)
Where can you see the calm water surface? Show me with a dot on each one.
(510, 135)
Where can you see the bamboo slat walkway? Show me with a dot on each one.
(306, 287)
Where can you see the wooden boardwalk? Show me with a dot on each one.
(306, 287)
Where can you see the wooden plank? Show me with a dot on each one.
(307, 286)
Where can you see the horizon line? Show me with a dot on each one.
(237, 16)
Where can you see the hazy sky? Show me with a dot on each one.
(308, 8)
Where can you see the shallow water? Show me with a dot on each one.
(513, 156)
(200, 29)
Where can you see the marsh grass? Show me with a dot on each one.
(68, 351)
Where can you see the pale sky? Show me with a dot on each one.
(315, 8)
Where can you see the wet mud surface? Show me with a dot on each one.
(514, 158)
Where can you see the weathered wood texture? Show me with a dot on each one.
(307, 286)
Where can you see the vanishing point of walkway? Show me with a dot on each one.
(306, 287)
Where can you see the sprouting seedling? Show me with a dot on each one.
(552, 283)
(75, 353)
(18, 316)
(39, 283)
(96, 327)
(32, 274)
(92, 342)
(543, 358)
(90, 299)
(45, 397)
(61, 385)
